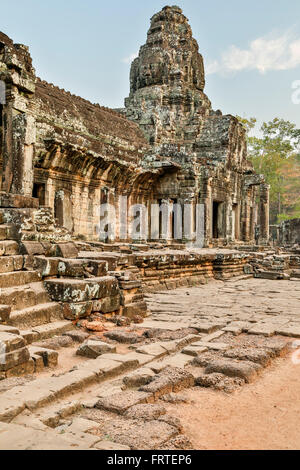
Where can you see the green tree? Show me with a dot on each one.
(276, 155)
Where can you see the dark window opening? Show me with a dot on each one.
(216, 221)
(104, 196)
(39, 192)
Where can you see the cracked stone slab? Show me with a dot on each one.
(232, 368)
(120, 402)
(171, 379)
(194, 350)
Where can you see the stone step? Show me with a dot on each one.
(52, 329)
(45, 391)
(21, 297)
(77, 290)
(18, 278)
(36, 316)
(11, 263)
(8, 232)
(8, 248)
(69, 268)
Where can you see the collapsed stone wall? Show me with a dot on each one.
(289, 232)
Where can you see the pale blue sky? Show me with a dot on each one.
(251, 49)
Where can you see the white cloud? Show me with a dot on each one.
(129, 59)
(264, 54)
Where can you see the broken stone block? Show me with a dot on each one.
(263, 329)
(132, 310)
(174, 398)
(9, 329)
(107, 305)
(205, 327)
(139, 434)
(4, 313)
(219, 382)
(145, 412)
(120, 321)
(9, 248)
(237, 328)
(29, 336)
(272, 275)
(77, 336)
(120, 402)
(49, 356)
(8, 232)
(25, 368)
(277, 347)
(56, 342)
(295, 274)
(98, 268)
(93, 349)
(172, 420)
(123, 337)
(139, 377)
(76, 290)
(38, 363)
(11, 342)
(171, 379)
(245, 370)
(193, 350)
(31, 248)
(258, 355)
(76, 310)
(46, 266)
(289, 330)
(13, 358)
(248, 269)
(154, 349)
(66, 250)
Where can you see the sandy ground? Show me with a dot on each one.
(261, 416)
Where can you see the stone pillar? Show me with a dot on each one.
(245, 215)
(206, 200)
(264, 214)
(154, 227)
(19, 130)
(229, 222)
(189, 220)
(166, 219)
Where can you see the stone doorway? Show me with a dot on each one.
(217, 220)
(235, 222)
(39, 192)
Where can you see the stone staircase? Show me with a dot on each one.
(27, 313)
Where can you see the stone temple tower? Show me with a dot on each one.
(167, 82)
(206, 151)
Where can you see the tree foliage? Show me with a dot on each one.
(276, 155)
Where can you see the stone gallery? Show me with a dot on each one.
(94, 347)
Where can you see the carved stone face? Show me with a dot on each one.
(152, 69)
(170, 55)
